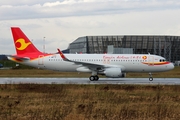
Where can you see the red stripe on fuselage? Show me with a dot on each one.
(155, 63)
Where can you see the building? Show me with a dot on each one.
(166, 46)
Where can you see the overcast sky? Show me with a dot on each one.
(63, 21)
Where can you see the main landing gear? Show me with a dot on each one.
(94, 78)
(150, 77)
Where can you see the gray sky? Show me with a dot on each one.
(63, 21)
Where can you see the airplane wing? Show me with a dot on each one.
(92, 66)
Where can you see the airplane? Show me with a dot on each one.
(110, 65)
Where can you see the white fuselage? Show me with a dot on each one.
(127, 62)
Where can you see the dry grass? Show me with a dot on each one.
(175, 73)
(91, 102)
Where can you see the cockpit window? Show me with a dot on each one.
(162, 60)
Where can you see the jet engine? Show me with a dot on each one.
(114, 73)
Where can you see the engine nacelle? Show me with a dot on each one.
(114, 73)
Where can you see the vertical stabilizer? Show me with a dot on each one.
(22, 44)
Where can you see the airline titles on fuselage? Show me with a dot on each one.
(125, 57)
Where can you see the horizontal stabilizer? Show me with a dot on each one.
(18, 58)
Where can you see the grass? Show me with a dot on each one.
(91, 102)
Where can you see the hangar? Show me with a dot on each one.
(166, 46)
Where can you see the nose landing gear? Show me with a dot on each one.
(150, 77)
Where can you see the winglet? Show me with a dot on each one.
(62, 55)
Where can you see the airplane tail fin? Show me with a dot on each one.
(22, 44)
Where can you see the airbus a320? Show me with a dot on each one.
(110, 65)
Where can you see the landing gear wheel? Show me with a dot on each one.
(91, 78)
(150, 78)
(96, 78)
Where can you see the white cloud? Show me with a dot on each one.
(81, 7)
(63, 21)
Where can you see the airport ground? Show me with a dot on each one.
(33, 72)
(91, 102)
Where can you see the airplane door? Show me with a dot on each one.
(40, 60)
(151, 60)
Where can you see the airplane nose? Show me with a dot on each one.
(171, 66)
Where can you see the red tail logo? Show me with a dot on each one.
(22, 44)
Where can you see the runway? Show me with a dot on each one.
(163, 81)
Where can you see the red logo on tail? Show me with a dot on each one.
(23, 44)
